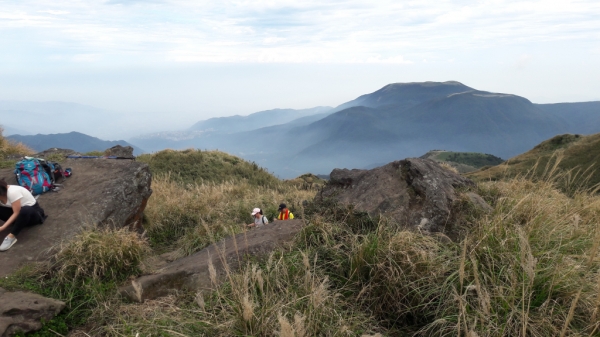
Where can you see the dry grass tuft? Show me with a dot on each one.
(99, 253)
(11, 148)
(448, 167)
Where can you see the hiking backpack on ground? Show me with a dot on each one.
(32, 175)
(54, 170)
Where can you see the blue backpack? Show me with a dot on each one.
(34, 175)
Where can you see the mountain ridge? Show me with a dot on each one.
(401, 120)
(77, 141)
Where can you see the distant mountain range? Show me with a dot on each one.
(74, 140)
(397, 121)
(30, 118)
(256, 120)
(8, 130)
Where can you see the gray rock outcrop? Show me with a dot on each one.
(124, 152)
(23, 312)
(56, 152)
(192, 272)
(417, 193)
(100, 191)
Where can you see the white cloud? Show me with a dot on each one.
(392, 60)
(339, 31)
(53, 12)
(523, 61)
(86, 57)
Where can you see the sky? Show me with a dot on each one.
(177, 62)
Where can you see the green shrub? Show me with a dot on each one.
(195, 166)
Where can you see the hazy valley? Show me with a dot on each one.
(400, 120)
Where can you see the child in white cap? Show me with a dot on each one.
(259, 219)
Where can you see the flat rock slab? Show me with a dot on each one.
(100, 191)
(417, 193)
(192, 272)
(24, 312)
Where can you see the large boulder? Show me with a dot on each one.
(100, 191)
(193, 272)
(417, 193)
(122, 152)
(24, 312)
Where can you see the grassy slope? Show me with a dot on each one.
(527, 268)
(196, 192)
(195, 166)
(197, 197)
(470, 158)
(464, 161)
(575, 157)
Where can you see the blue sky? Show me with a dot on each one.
(199, 59)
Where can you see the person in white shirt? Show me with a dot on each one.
(259, 219)
(19, 208)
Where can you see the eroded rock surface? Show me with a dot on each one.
(56, 152)
(100, 191)
(125, 152)
(192, 272)
(417, 193)
(24, 312)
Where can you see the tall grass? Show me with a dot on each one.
(182, 216)
(84, 271)
(10, 148)
(285, 296)
(527, 268)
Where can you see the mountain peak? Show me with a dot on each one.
(407, 95)
(426, 84)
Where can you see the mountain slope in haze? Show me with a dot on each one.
(57, 116)
(9, 130)
(472, 121)
(400, 120)
(359, 122)
(581, 117)
(213, 132)
(64, 117)
(73, 140)
(406, 95)
(256, 120)
(579, 155)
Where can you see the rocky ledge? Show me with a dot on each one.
(101, 191)
(22, 312)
